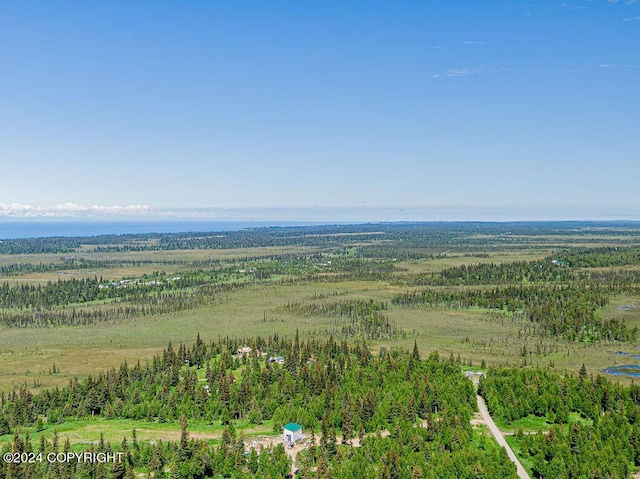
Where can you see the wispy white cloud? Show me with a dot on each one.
(631, 19)
(467, 71)
(471, 42)
(460, 72)
(17, 210)
(606, 65)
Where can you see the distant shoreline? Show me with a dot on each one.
(18, 229)
(14, 228)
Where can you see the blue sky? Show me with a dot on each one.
(466, 109)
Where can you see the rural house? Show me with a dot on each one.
(292, 432)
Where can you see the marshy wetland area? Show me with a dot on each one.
(537, 307)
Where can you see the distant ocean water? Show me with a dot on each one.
(45, 229)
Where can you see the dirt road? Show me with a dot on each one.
(495, 432)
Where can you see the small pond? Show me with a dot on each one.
(631, 370)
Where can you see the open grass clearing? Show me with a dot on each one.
(534, 424)
(87, 431)
(624, 307)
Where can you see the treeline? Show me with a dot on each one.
(79, 291)
(150, 305)
(73, 263)
(503, 273)
(532, 272)
(399, 252)
(318, 263)
(338, 391)
(553, 310)
(605, 442)
(337, 309)
(599, 257)
(86, 290)
(40, 245)
(364, 319)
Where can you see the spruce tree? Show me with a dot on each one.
(184, 452)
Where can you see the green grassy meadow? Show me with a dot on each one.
(84, 432)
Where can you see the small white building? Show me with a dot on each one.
(292, 432)
(244, 350)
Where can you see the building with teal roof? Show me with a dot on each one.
(292, 432)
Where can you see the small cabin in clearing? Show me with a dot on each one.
(244, 350)
(292, 432)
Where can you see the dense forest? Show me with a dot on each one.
(603, 442)
(393, 415)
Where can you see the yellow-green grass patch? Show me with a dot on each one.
(87, 431)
